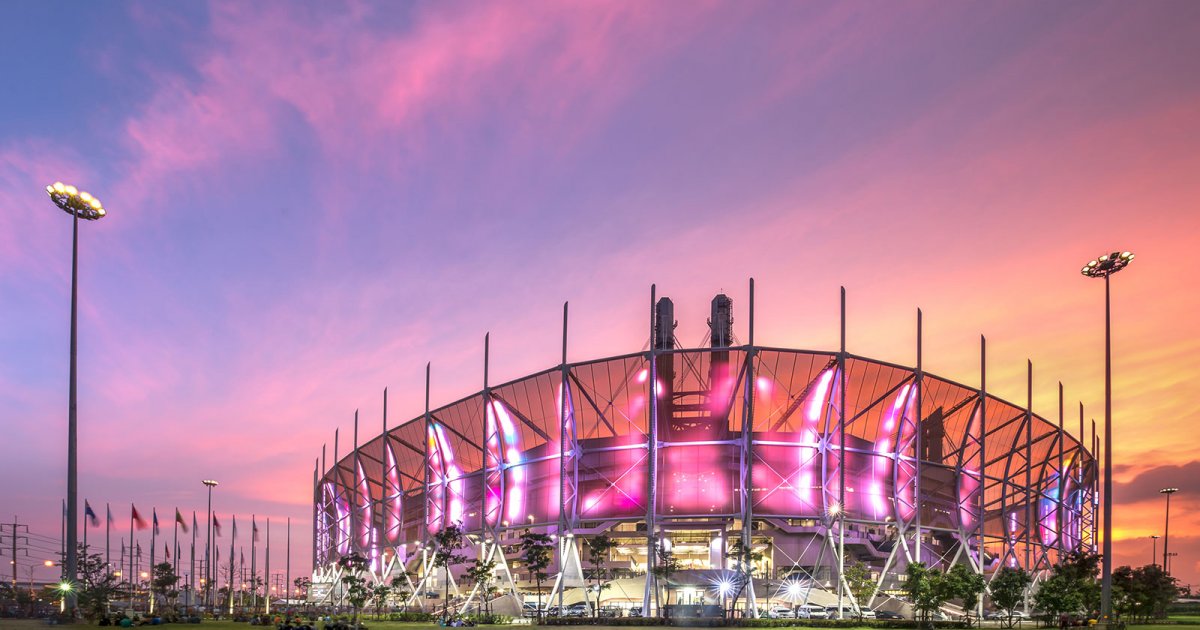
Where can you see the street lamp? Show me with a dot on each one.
(208, 550)
(1167, 528)
(1154, 549)
(1103, 267)
(80, 205)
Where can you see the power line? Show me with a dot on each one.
(15, 537)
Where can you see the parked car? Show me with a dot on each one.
(849, 612)
(577, 610)
(887, 614)
(811, 611)
(781, 612)
(611, 611)
(636, 611)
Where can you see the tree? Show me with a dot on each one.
(1071, 587)
(96, 587)
(302, 583)
(481, 574)
(163, 581)
(1142, 593)
(858, 578)
(598, 550)
(357, 590)
(1008, 590)
(744, 561)
(535, 552)
(400, 588)
(665, 563)
(379, 596)
(447, 542)
(927, 589)
(965, 585)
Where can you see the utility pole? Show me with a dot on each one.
(14, 538)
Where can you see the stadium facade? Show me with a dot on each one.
(814, 460)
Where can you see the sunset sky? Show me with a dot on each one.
(308, 201)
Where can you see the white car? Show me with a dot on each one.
(781, 612)
(811, 611)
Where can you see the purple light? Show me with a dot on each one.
(394, 507)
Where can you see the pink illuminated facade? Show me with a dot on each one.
(816, 459)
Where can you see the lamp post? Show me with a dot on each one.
(1167, 528)
(80, 205)
(208, 550)
(1154, 549)
(1103, 267)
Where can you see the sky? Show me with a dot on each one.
(308, 201)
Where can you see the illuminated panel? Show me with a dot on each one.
(899, 421)
(328, 517)
(612, 423)
(787, 464)
(1047, 512)
(493, 457)
(342, 509)
(514, 473)
(435, 512)
(366, 530)
(393, 504)
(970, 481)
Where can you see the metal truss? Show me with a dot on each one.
(955, 475)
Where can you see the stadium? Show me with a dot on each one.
(813, 460)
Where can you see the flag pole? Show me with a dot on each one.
(153, 541)
(232, 540)
(267, 569)
(253, 563)
(175, 544)
(192, 568)
(132, 574)
(288, 561)
(107, 527)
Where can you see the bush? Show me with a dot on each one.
(490, 619)
(603, 621)
(421, 617)
(845, 623)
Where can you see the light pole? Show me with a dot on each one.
(208, 542)
(1167, 528)
(1103, 267)
(1154, 549)
(80, 205)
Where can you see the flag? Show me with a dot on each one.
(254, 530)
(179, 519)
(122, 549)
(154, 515)
(139, 550)
(242, 553)
(167, 551)
(138, 521)
(194, 523)
(90, 514)
(110, 518)
(217, 525)
(235, 526)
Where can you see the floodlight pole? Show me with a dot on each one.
(1167, 529)
(1104, 267)
(72, 430)
(78, 204)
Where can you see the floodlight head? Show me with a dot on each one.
(210, 483)
(1168, 490)
(74, 202)
(1107, 265)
